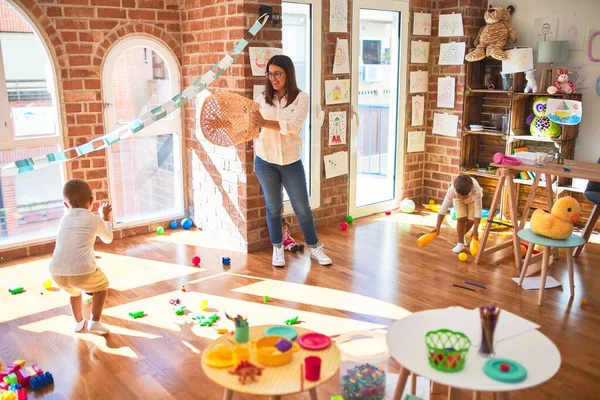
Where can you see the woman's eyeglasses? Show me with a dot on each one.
(276, 74)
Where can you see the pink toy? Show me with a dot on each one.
(289, 243)
(500, 158)
(344, 226)
(313, 368)
(196, 260)
(562, 84)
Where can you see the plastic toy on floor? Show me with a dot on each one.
(559, 223)
(289, 244)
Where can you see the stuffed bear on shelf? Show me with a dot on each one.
(494, 35)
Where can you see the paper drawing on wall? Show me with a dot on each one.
(341, 61)
(452, 53)
(257, 91)
(336, 164)
(580, 76)
(419, 52)
(445, 124)
(259, 57)
(572, 29)
(418, 81)
(337, 91)
(519, 60)
(422, 24)
(337, 128)
(416, 141)
(338, 16)
(417, 111)
(445, 94)
(564, 112)
(544, 30)
(450, 25)
(593, 45)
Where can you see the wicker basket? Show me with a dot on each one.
(229, 119)
(447, 350)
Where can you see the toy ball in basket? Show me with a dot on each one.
(447, 350)
(229, 119)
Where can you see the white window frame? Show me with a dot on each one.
(7, 140)
(174, 124)
(316, 112)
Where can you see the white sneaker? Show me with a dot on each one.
(97, 327)
(278, 256)
(458, 248)
(319, 255)
(78, 327)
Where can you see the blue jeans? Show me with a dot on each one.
(292, 177)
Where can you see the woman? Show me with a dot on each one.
(283, 110)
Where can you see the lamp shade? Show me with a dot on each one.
(553, 51)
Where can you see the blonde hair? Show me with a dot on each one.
(77, 193)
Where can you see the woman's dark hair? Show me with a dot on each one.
(291, 88)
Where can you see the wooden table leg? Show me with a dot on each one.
(476, 396)
(589, 227)
(570, 266)
(413, 384)
(488, 225)
(453, 393)
(526, 263)
(501, 396)
(512, 200)
(401, 383)
(228, 394)
(550, 197)
(279, 397)
(545, 259)
(313, 394)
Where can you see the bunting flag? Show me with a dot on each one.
(131, 128)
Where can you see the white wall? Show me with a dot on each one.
(526, 11)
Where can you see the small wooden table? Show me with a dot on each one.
(570, 169)
(274, 381)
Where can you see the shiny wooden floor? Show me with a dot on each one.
(378, 275)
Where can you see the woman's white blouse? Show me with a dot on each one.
(284, 146)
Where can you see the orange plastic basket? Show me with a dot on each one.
(229, 119)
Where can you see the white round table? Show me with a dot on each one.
(406, 342)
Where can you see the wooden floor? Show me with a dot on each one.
(378, 275)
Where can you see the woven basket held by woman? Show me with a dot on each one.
(229, 119)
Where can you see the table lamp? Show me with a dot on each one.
(550, 52)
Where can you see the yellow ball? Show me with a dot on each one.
(204, 305)
(48, 284)
(462, 257)
(431, 201)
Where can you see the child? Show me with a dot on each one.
(466, 194)
(289, 243)
(73, 265)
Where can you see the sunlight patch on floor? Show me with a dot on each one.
(322, 297)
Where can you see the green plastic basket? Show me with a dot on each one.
(447, 350)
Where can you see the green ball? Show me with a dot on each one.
(160, 230)
(349, 219)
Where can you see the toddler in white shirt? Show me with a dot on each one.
(73, 265)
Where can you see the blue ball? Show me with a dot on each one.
(186, 223)
(173, 225)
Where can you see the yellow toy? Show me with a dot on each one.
(432, 207)
(462, 257)
(204, 305)
(48, 284)
(559, 223)
(431, 201)
(426, 239)
(8, 396)
(474, 247)
(220, 357)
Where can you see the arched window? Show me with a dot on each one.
(31, 203)
(145, 171)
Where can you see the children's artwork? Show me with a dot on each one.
(572, 28)
(257, 91)
(337, 128)
(519, 60)
(544, 30)
(260, 56)
(416, 142)
(580, 76)
(445, 94)
(338, 16)
(593, 45)
(419, 52)
(564, 112)
(418, 108)
(336, 164)
(445, 124)
(452, 53)
(422, 24)
(418, 81)
(337, 91)
(341, 61)
(450, 25)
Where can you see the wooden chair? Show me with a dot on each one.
(548, 244)
(592, 193)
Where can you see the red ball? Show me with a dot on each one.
(196, 260)
(504, 367)
(388, 213)
(344, 226)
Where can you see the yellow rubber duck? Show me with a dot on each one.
(559, 223)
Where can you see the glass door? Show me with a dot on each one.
(378, 99)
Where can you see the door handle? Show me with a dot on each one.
(356, 115)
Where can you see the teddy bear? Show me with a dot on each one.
(562, 84)
(494, 35)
